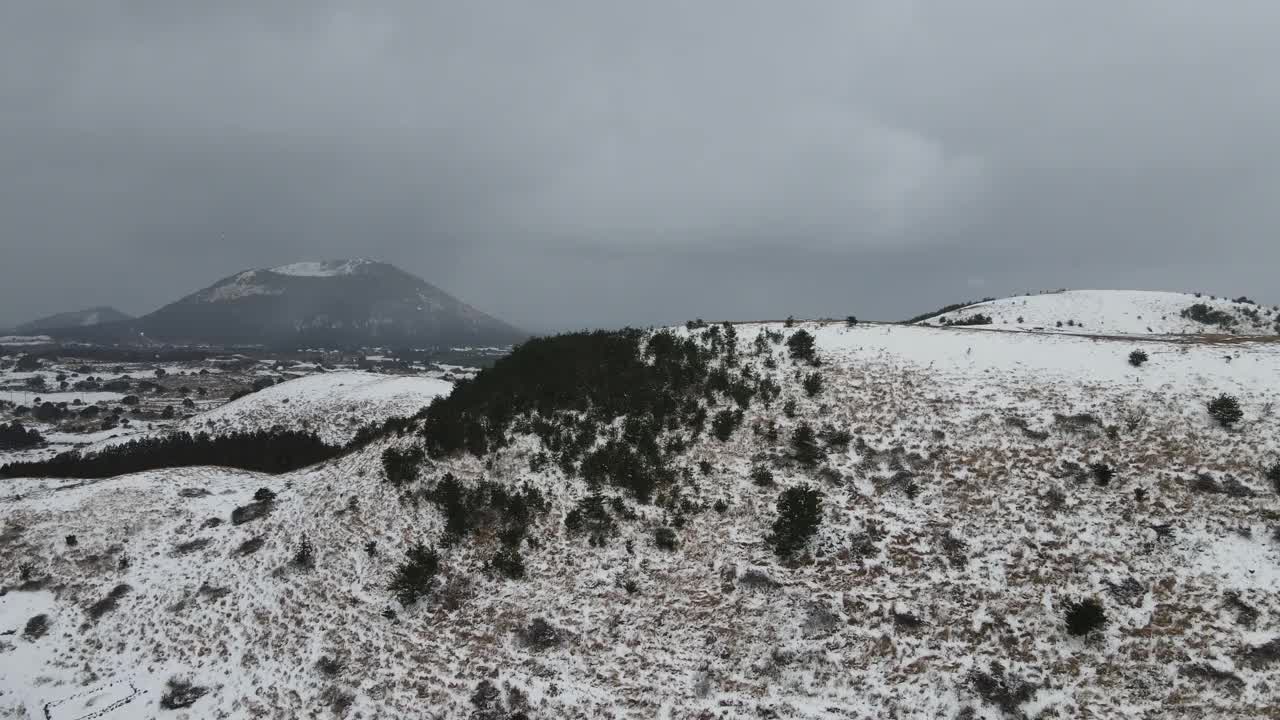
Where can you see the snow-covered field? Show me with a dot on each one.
(1115, 312)
(332, 405)
(956, 531)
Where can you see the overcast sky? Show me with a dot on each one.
(570, 164)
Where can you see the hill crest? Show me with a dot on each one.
(1116, 312)
(98, 315)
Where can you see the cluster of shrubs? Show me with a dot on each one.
(268, 451)
(1206, 315)
(569, 390)
(970, 320)
(16, 437)
(487, 505)
(947, 309)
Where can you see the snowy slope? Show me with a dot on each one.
(77, 318)
(1114, 312)
(973, 565)
(333, 405)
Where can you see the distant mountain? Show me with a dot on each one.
(338, 303)
(76, 319)
(1116, 312)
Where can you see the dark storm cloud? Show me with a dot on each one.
(587, 163)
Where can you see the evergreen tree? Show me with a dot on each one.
(812, 384)
(801, 346)
(804, 445)
(413, 578)
(1226, 410)
(799, 515)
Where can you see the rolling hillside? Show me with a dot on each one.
(1119, 312)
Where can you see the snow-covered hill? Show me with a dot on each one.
(333, 405)
(962, 520)
(76, 319)
(1119, 312)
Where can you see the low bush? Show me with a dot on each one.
(1085, 616)
(541, 635)
(508, 563)
(252, 511)
(1102, 473)
(1225, 409)
(1264, 655)
(180, 694)
(108, 603)
(812, 384)
(837, 438)
(665, 538)
(1005, 691)
(305, 557)
(36, 627)
(250, 546)
(761, 476)
(1137, 358)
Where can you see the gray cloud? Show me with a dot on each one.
(564, 164)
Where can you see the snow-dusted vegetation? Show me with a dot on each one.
(941, 524)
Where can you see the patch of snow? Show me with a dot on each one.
(241, 286)
(25, 339)
(1242, 563)
(326, 268)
